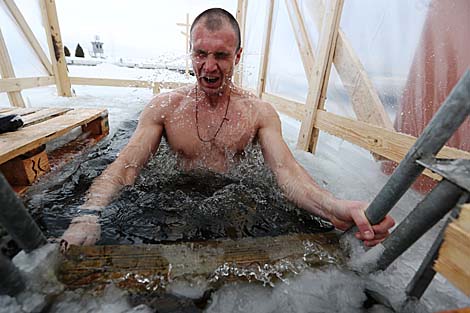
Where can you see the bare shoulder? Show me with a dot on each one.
(164, 104)
(170, 98)
(262, 108)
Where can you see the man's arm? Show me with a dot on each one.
(85, 229)
(300, 188)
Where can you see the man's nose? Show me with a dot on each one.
(211, 64)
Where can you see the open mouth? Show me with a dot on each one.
(211, 80)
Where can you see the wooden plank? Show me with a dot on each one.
(242, 7)
(24, 111)
(376, 139)
(461, 310)
(110, 82)
(42, 115)
(5, 110)
(25, 170)
(289, 107)
(389, 144)
(318, 82)
(28, 33)
(454, 253)
(18, 84)
(25, 139)
(149, 267)
(6, 71)
(301, 35)
(56, 48)
(134, 83)
(366, 103)
(266, 45)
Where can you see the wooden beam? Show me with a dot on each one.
(384, 142)
(318, 82)
(366, 103)
(289, 107)
(56, 48)
(381, 141)
(241, 18)
(18, 84)
(454, 253)
(266, 44)
(134, 83)
(301, 36)
(148, 267)
(21, 21)
(6, 71)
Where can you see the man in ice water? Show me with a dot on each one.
(209, 125)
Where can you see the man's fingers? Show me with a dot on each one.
(377, 235)
(371, 243)
(384, 225)
(365, 229)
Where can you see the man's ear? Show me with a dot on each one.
(238, 55)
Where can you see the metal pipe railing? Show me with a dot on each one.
(16, 220)
(445, 122)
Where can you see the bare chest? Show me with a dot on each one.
(210, 138)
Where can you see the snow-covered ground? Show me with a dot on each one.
(346, 170)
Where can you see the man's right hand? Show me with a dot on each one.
(83, 230)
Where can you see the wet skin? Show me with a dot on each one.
(247, 118)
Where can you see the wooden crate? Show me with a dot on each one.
(23, 157)
(454, 256)
(143, 268)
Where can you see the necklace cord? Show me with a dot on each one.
(221, 124)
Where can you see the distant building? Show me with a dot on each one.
(97, 47)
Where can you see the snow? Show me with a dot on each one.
(346, 170)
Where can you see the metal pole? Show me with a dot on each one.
(16, 220)
(423, 277)
(11, 282)
(427, 213)
(445, 122)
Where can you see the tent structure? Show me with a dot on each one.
(337, 66)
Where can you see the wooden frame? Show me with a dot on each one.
(308, 135)
(373, 130)
(242, 8)
(263, 69)
(7, 72)
(56, 48)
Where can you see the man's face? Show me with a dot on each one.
(214, 57)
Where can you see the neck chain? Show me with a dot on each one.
(221, 124)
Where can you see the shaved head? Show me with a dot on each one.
(214, 19)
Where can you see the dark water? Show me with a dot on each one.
(167, 204)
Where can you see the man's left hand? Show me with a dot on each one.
(347, 213)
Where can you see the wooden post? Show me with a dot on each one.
(265, 56)
(56, 49)
(364, 98)
(186, 34)
(6, 70)
(241, 18)
(366, 103)
(308, 135)
(28, 33)
(301, 36)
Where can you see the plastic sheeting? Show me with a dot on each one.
(23, 58)
(412, 51)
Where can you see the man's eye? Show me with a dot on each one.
(199, 54)
(221, 55)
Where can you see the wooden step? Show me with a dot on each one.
(23, 156)
(149, 267)
(454, 255)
